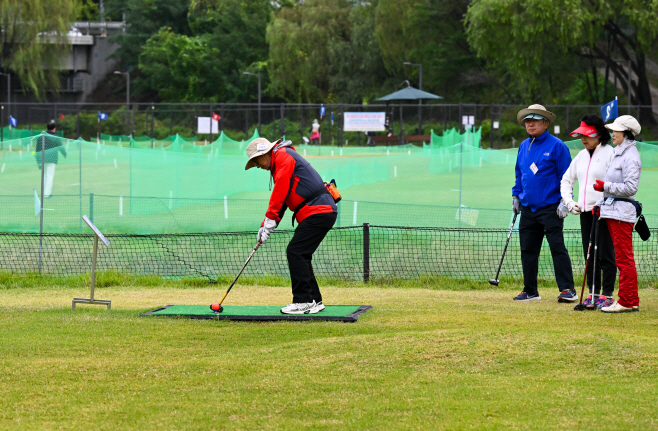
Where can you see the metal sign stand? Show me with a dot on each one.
(91, 299)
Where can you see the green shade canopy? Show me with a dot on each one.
(409, 93)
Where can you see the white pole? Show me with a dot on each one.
(395, 171)
(3, 169)
(171, 198)
(120, 205)
(387, 153)
(480, 161)
(115, 163)
(332, 153)
(225, 207)
(20, 153)
(10, 148)
(341, 151)
(354, 218)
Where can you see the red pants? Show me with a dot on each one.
(622, 239)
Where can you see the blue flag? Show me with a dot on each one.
(609, 111)
(102, 116)
(13, 122)
(321, 111)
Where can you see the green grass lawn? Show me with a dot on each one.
(451, 355)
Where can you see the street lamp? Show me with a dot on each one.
(420, 87)
(256, 74)
(116, 72)
(2, 136)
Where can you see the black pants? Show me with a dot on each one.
(307, 238)
(605, 255)
(532, 228)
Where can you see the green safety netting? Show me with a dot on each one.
(177, 186)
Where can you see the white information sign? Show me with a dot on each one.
(203, 126)
(95, 229)
(365, 122)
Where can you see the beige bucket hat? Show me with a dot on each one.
(257, 148)
(535, 111)
(625, 122)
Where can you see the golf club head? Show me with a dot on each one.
(218, 310)
(579, 307)
(493, 282)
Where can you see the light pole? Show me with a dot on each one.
(2, 135)
(116, 72)
(420, 87)
(256, 74)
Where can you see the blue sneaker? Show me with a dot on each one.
(568, 295)
(523, 296)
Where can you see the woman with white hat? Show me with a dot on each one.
(299, 187)
(589, 164)
(617, 207)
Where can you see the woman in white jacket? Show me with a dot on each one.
(589, 165)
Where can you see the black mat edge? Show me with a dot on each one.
(351, 318)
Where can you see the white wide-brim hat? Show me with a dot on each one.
(535, 111)
(257, 148)
(625, 122)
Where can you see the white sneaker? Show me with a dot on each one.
(299, 308)
(319, 306)
(616, 307)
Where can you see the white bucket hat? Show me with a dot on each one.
(625, 122)
(257, 148)
(535, 112)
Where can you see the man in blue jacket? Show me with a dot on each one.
(541, 162)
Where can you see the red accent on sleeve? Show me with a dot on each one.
(284, 169)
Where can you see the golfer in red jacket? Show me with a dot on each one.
(299, 187)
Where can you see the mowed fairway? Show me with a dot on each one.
(422, 358)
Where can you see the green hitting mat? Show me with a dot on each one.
(339, 313)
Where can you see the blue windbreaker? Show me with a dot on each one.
(552, 159)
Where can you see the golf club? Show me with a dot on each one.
(596, 247)
(580, 306)
(217, 307)
(495, 281)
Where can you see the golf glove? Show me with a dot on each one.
(265, 230)
(573, 208)
(596, 211)
(516, 205)
(562, 210)
(599, 185)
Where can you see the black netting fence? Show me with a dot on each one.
(350, 253)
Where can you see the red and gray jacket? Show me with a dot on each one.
(295, 181)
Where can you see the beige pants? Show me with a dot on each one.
(49, 175)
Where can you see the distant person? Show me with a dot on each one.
(617, 207)
(586, 167)
(540, 165)
(53, 146)
(315, 133)
(296, 185)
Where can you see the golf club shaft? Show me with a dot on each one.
(509, 235)
(589, 250)
(239, 273)
(596, 246)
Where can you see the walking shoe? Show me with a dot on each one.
(568, 295)
(299, 308)
(523, 296)
(319, 306)
(616, 307)
(603, 301)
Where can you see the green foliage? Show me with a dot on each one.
(225, 38)
(302, 39)
(536, 45)
(87, 10)
(34, 40)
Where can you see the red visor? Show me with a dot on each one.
(584, 130)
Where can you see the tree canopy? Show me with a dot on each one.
(34, 40)
(527, 40)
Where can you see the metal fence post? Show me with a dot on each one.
(91, 207)
(366, 252)
(282, 127)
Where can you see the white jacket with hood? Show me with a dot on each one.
(586, 170)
